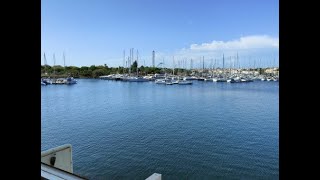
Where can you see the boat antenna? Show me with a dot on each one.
(45, 63)
(137, 61)
(223, 64)
(54, 64)
(64, 60)
(173, 66)
(45, 60)
(124, 59)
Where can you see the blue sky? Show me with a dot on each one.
(96, 32)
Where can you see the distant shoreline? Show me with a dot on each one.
(94, 72)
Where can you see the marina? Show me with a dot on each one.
(239, 78)
(159, 90)
(169, 79)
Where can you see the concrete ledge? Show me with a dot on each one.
(59, 157)
(154, 176)
(49, 172)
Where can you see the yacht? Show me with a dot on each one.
(234, 80)
(137, 79)
(185, 82)
(46, 81)
(160, 81)
(70, 80)
(219, 79)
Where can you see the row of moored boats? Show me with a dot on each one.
(68, 81)
(187, 80)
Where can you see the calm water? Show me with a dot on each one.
(122, 130)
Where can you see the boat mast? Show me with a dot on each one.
(124, 58)
(238, 63)
(163, 68)
(137, 62)
(211, 67)
(129, 65)
(202, 66)
(64, 62)
(178, 68)
(233, 67)
(45, 63)
(214, 66)
(173, 66)
(230, 65)
(54, 64)
(223, 64)
(185, 66)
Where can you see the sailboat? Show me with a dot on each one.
(45, 81)
(69, 80)
(220, 78)
(136, 78)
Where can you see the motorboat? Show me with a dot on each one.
(136, 79)
(160, 81)
(70, 80)
(185, 82)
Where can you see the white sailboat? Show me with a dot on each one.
(69, 80)
(45, 81)
(136, 78)
(220, 78)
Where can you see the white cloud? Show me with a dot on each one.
(259, 48)
(247, 42)
(249, 48)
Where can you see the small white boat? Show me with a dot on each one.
(175, 82)
(219, 80)
(59, 81)
(185, 82)
(46, 81)
(234, 80)
(190, 78)
(137, 79)
(70, 80)
(201, 79)
(160, 81)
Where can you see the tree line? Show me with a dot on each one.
(101, 70)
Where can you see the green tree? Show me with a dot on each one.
(92, 68)
(59, 69)
(84, 68)
(134, 67)
(98, 72)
